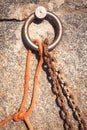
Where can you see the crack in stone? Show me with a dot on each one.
(12, 20)
(83, 10)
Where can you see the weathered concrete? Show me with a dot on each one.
(71, 55)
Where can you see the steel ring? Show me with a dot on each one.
(53, 20)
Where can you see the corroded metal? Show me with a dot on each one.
(60, 89)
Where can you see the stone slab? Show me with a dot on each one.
(71, 55)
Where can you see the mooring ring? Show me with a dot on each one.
(53, 20)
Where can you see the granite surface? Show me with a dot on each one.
(71, 55)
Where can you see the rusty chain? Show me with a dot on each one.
(61, 90)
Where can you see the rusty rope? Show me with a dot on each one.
(22, 114)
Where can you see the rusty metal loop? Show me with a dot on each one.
(53, 20)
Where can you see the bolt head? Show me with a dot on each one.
(40, 12)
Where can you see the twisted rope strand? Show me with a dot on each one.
(36, 77)
(21, 114)
(27, 77)
(2, 123)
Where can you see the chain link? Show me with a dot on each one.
(60, 88)
(56, 88)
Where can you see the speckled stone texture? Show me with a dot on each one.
(71, 55)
